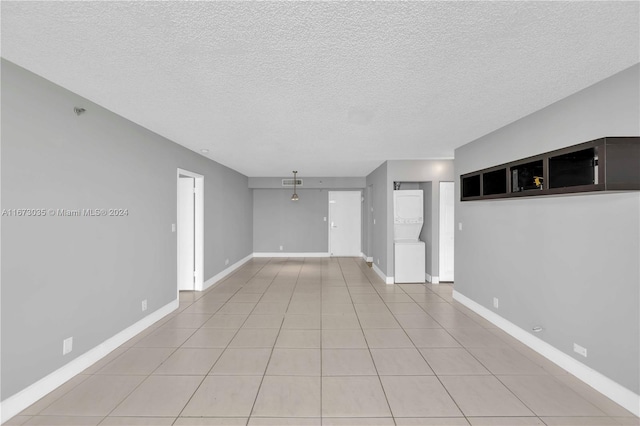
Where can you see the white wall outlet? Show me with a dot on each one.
(374, 221)
(325, 218)
(173, 227)
(579, 349)
(378, 261)
(459, 226)
(226, 261)
(496, 302)
(67, 345)
(144, 305)
(280, 248)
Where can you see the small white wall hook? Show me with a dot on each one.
(79, 110)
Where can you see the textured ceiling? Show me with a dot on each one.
(327, 88)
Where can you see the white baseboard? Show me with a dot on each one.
(218, 277)
(387, 280)
(281, 254)
(368, 259)
(598, 381)
(432, 280)
(21, 400)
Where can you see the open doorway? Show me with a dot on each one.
(190, 229)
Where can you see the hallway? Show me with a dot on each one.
(322, 341)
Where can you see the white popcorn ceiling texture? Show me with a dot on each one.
(328, 89)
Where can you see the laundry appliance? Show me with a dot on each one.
(409, 251)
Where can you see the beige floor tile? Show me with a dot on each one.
(353, 396)
(431, 338)
(106, 360)
(503, 360)
(305, 308)
(340, 322)
(379, 320)
(456, 321)
(210, 338)
(185, 320)
(159, 396)
(264, 321)
(452, 361)
(63, 421)
(387, 338)
(475, 337)
(427, 298)
(137, 421)
(242, 362)
(211, 421)
(400, 362)
(203, 308)
(284, 421)
(431, 421)
(337, 308)
(360, 297)
(189, 362)
(224, 396)
(232, 322)
(483, 396)
(17, 420)
(405, 308)
(294, 362)
(166, 338)
(396, 298)
(505, 421)
(372, 308)
(301, 322)
(95, 396)
(418, 396)
(272, 308)
(422, 320)
(140, 361)
(343, 339)
(548, 397)
(245, 297)
(347, 362)
(53, 396)
(237, 308)
(355, 421)
(580, 421)
(286, 396)
(254, 338)
(298, 339)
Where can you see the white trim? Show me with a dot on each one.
(432, 280)
(281, 254)
(367, 258)
(199, 225)
(387, 280)
(21, 400)
(216, 279)
(598, 381)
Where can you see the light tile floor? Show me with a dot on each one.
(322, 342)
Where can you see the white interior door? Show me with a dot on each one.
(186, 233)
(446, 230)
(345, 223)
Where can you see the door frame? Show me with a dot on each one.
(359, 192)
(441, 241)
(198, 228)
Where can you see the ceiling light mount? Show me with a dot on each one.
(295, 197)
(79, 110)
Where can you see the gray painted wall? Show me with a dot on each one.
(569, 264)
(297, 226)
(310, 182)
(86, 276)
(433, 171)
(378, 182)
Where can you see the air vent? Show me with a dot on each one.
(289, 182)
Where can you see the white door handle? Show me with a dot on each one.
(333, 225)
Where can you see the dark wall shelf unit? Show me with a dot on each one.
(605, 164)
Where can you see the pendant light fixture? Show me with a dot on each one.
(294, 197)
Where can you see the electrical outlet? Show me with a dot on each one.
(374, 221)
(144, 305)
(67, 345)
(579, 349)
(173, 227)
(280, 248)
(459, 226)
(226, 261)
(325, 218)
(378, 261)
(496, 302)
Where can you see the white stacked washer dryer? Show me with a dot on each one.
(409, 251)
